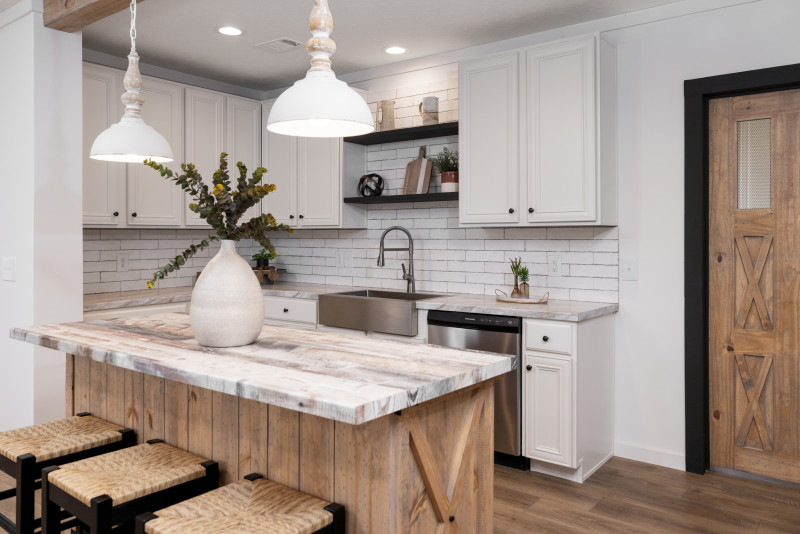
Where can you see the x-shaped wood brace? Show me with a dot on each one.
(445, 500)
(754, 410)
(753, 272)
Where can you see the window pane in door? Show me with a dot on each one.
(754, 142)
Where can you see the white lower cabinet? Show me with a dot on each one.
(290, 310)
(568, 396)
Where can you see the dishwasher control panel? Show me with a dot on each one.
(477, 319)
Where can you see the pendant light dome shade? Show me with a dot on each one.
(131, 141)
(319, 105)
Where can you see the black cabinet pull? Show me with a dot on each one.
(291, 216)
(133, 214)
(545, 339)
(116, 214)
(530, 210)
(286, 310)
(301, 216)
(510, 210)
(529, 367)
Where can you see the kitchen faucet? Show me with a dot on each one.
(407, 276)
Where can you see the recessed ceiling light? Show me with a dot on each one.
(395, 50)
(229, 30)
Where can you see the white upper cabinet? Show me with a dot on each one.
(153, 200)
(319, 191)
(243, 141)
(565, 172)
(103, 182)
(488, 140)
(560, 147)
(280, 159)
(205, 138)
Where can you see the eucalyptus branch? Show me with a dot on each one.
(179, 261)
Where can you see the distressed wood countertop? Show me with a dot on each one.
(344, 378)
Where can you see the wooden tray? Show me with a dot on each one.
(503, 297)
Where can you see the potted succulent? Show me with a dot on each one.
(524, 288)
(446, 164)
(262, 258)
(227, 307)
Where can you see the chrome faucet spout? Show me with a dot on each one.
(407, 276)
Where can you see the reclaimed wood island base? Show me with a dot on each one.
(417, 462)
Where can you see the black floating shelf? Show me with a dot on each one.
(406, 134)
(396, 199)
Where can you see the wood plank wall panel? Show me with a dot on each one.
(69, 388)
(372, 469)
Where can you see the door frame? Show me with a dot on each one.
(697, 93)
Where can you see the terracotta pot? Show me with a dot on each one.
(449, 181)
(227, 307)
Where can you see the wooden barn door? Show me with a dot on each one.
(754, 271)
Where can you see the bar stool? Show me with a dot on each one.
(112, 489)
(254, 505)
(24, 452)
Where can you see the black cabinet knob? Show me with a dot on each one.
(510, 210)
(116, 214)
(286, 310)
(133, 214)
(301, 216)
(545, 339)
(291, 216)
(529, 367)
(530, 210)
(452, 518)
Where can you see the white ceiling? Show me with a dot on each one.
(180, 34)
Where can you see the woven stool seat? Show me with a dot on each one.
(257, 506)
(58, 438)
(128, 474)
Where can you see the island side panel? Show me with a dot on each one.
(253, 433)
(134, 402)
(154, 414)
(225, 434)
(69, 389)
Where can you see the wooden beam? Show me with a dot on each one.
(74, 15)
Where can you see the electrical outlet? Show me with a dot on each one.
(630, 268)
(344, 259)
(9, 266)
(122, 262)
(554, 266)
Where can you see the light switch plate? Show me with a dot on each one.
(122, 262)
(344, 258)
(554, 266)
(630, 268)
(9, 267)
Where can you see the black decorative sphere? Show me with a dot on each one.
(370, 185)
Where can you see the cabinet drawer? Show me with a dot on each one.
(290, 309)
(548, 336)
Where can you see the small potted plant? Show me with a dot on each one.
(516, 266)
(446, 164)
(262, 258)
(524, 288)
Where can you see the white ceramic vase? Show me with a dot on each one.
(227, 308)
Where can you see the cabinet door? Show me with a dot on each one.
(205, 132)
(489, 140)
(560, 97)
(103, 182)
(280, 159)
(548, 410)
(152, 198)
(243, 140)
(319, 191)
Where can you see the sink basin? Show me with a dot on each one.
(373, 310)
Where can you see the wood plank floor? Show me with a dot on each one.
(626, 496)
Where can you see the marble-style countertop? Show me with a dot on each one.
(557, 310)
(344, 378)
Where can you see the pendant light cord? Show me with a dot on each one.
(133, 25)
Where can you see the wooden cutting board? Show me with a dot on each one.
(418, 175)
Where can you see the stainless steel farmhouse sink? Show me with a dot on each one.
(389, 312)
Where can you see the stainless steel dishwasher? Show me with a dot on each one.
(490, 333)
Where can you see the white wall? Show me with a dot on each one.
(40, 208)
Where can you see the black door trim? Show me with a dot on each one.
(697, 93)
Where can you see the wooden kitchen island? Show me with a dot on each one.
(400, 434)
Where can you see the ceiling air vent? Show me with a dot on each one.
(279, 46)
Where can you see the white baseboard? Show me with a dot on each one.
(650, 456)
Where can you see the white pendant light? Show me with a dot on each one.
(319, 105)
(131, 140)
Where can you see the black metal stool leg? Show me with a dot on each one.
(337, 510)
(25, 496)
(102, 508)
(51, 512)
(142, 520)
